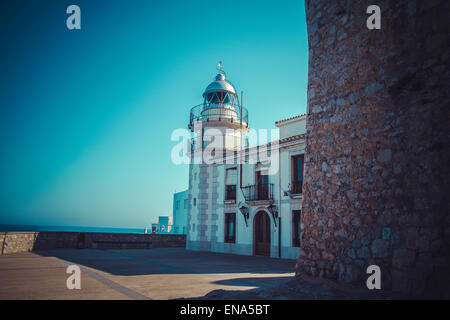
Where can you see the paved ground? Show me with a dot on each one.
(166, 273)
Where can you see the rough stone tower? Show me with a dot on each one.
(378, 154)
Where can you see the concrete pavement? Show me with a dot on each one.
(165, 273)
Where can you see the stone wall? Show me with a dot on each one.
(14, 242)
(377, 157)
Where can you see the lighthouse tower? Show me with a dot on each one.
(221, 111)
(222, 120)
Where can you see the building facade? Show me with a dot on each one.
(164, 225)
(243, 200)
(180, 212)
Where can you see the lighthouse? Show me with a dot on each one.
(220, 119)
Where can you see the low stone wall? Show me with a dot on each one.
(14, 242)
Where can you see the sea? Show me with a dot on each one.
(12, 227)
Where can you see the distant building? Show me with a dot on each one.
(180, 212)
(164, 224)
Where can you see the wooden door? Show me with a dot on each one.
(262, 234)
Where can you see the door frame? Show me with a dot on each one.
(255, 217)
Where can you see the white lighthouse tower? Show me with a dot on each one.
(221, 110)
(220, 117)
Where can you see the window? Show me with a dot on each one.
(230, 227)
(213, 97)
(262, 182)
(296, 228)
(230, 192)
(230, 182)
(177, 204)
(195, 202)
(228, 99)
(262, 178)
(186, 203)
(297, 174)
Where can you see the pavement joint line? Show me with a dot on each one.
(109, 283)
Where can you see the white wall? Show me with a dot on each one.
(292, 127)
(244, 234)
(180, 215)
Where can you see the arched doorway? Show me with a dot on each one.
(261, 234)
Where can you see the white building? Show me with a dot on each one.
(238, 202)
(164, 225)
(180, 212)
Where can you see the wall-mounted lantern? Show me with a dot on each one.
(245, 212)
(287, 193)
(274, 212)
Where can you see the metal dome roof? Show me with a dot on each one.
(220, 84)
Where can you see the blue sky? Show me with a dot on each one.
(86, 115)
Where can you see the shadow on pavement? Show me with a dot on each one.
(131, 262)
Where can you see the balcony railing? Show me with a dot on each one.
(258, 192)
(218, 112)
(296, 187)
(230, 192)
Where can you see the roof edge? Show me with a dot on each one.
(291, 118)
